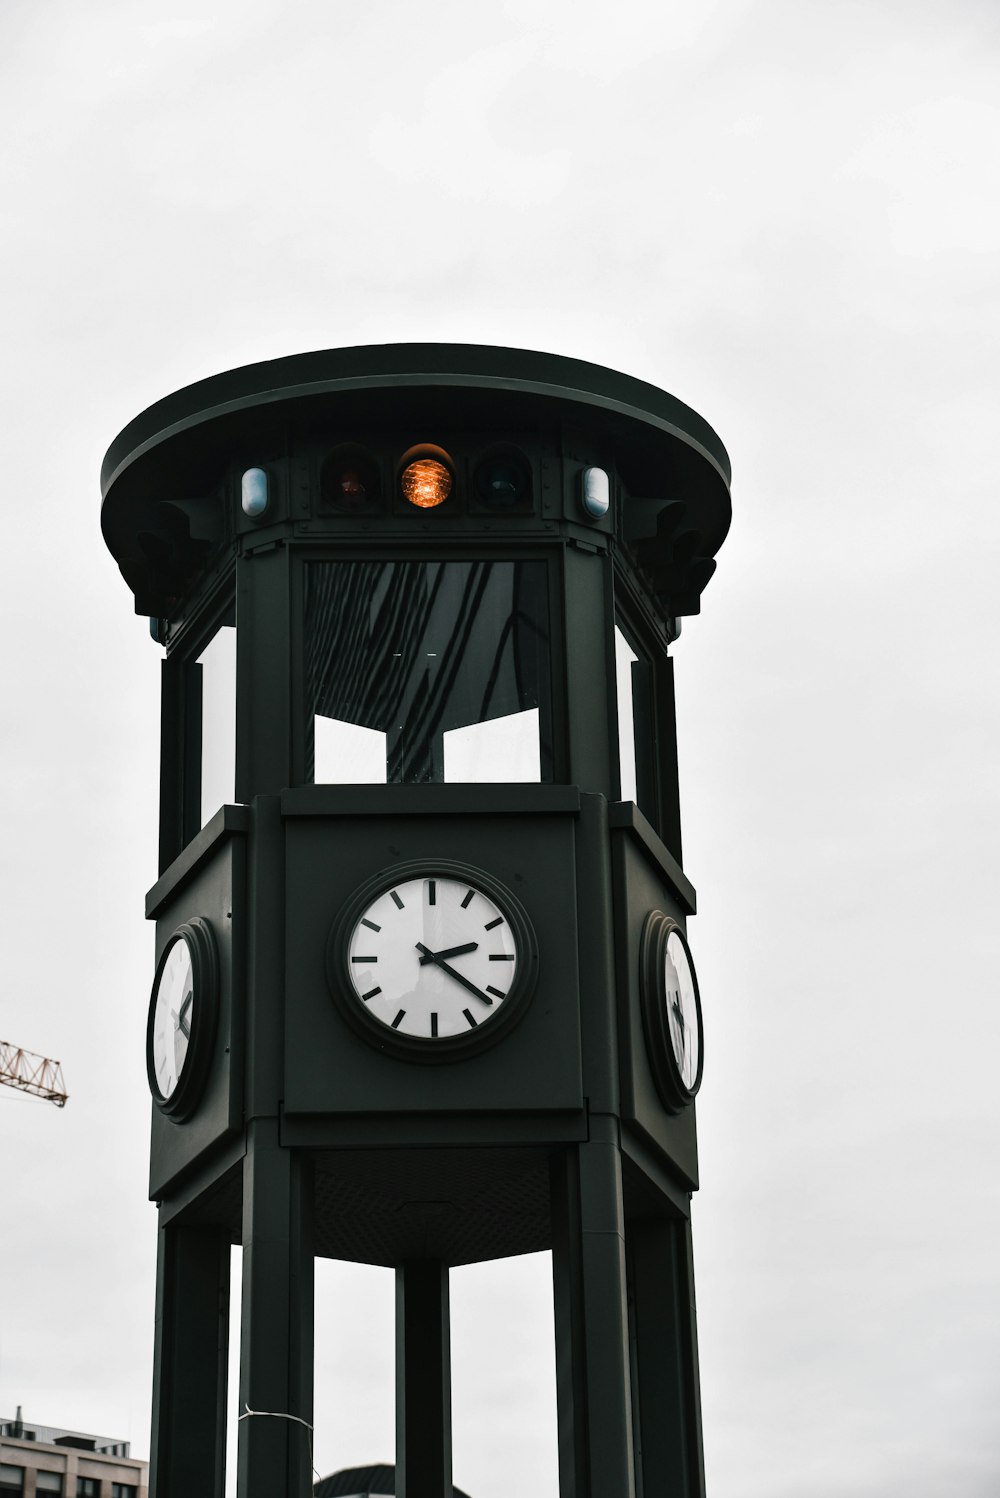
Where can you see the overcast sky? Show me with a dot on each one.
(786, 213)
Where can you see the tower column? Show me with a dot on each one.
(591, 1319)
(423, 1380)
(276, 1353)
(668, 1418)
(190, 1363)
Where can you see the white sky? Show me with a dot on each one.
(787, 215)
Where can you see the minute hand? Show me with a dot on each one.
(453, 973)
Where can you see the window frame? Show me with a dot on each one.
(552, 716)
(182, 721)
(647, 634)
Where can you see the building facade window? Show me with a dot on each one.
(49, 1482)
(123, 1490)
(11, 1478)
(88, 1487)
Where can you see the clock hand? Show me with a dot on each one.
(681, 1025)
(452, 973)
(470, 946)
(182, 1019)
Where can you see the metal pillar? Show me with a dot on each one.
(190, 1363)
(276, 1353)
(591, 1319)
(669, 1446)
(423, 1381)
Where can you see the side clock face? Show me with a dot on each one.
(428, 961)
(671, 1011)
(182, 1017)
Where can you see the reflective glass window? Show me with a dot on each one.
(218, 721)
(625, 659)
(423, 671)
(636, 726)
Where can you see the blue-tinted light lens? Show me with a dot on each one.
(502, 483)
(254, 493)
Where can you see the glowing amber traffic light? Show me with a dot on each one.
(426, 482)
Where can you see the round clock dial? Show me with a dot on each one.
(683, 1016)
(430, 959)
(173, 1017)
(182, 1010)
(671, 1011)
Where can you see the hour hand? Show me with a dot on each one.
(438, 959)
(180, 1020)
(470, 946)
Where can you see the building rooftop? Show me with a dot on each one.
(20, 1429)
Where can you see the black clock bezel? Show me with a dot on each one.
(657, 930)
(420, 1047)
(200, 941)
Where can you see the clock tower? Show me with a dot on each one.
(423, 992)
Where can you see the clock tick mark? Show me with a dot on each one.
(490, 924)
(432, 891)
(501, 957)
(364, 959)
(396, 1021)
(434, 1024)
(498, 991)
(472, 1022)
(398, 902)
(468, 898)
(370, 924)
(370, 994)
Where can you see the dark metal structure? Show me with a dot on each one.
(423, 995)
(378, 1481)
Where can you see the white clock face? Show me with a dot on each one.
(682, 1010)
(173, 1016)
(432, 958)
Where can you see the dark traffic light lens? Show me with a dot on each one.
(503, 481)
(350, 482)
(351, 488)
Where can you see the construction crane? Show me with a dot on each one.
(30, 1073)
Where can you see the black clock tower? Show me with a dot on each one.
(423, 992)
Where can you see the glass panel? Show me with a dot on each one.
(218, 722)
(49, 1482)
(503, 749)
(11, 1478)
(625, 659)
(347, 754)
(420, 653)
